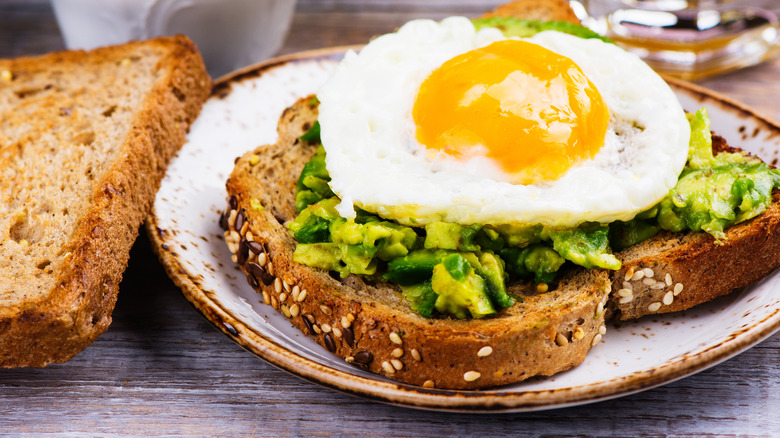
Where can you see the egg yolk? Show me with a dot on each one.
(527, 108)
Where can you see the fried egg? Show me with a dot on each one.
(440, 122)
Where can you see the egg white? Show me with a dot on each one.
(375, 162)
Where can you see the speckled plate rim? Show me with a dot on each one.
(485, 401)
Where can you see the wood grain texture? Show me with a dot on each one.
(161, 369)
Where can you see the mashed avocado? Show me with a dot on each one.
(462, 270)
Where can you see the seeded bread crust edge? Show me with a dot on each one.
(370, 325)
(71, 317)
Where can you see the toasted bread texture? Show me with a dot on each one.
(542, 10)
(369, 324)
(85, 138)
(676, 271)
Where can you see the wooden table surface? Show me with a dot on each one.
(161, 368)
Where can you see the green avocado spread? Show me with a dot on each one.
(462, 271)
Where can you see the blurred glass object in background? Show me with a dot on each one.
(229, 33)
(691, 39)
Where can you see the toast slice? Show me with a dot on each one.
(676, 271)
(542, 10)
(369, 324)
(85, 138)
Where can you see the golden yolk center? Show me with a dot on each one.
(529, 109)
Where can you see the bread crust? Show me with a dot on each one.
(543, 10)
(369, 324)
(56, 325)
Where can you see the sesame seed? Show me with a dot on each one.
(485, 351)
(274, 303)
(283, 297)
(270, 268)
(629, 274)
(542, 287)
(649, 281)
(600, 309)
(658, 286)
(295, 291)
(285, 310)
(627, 285)
(638, 275)
(249, 236)
(388, 368)
(596, 340)
(286, 285)
(325, 309)
(416, 355)
(316, 328)
(266, 298)
(561, 340)
(428, 384)
(125, 62)
(603, 330)
(310, 317)
(277, 285)
(397, 364)
(398, 352)
(668, 279)
(232, 218)
(345, 322)
(234, 258)
(579, 333)
(254, 159)
(294, 310)
(349, 359)
(395, 339)
(351, 317)
(625, 293)
(261, 259)
(648, 272)
(326, 328)
(678, 288)
(471, 376)
(6, 75)
(654, 307)
(337, 332)
(302, 296)
(668, 298)
(627, 299)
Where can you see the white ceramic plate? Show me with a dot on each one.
(242, 114)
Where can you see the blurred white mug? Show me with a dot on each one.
(229, 33)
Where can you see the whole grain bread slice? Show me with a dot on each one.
(85, 138)
(369, 324)
(676, 271)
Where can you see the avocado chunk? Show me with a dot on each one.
(421, 298)
(625, 234)
(415, 267)
(586, 246)
(445, 235)
(515, 27)
(312, 225)
(390, 240)
(538, 260)
(344, 259)
(312, 185)
(491, 269)
(716, 191)
(461, 292)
